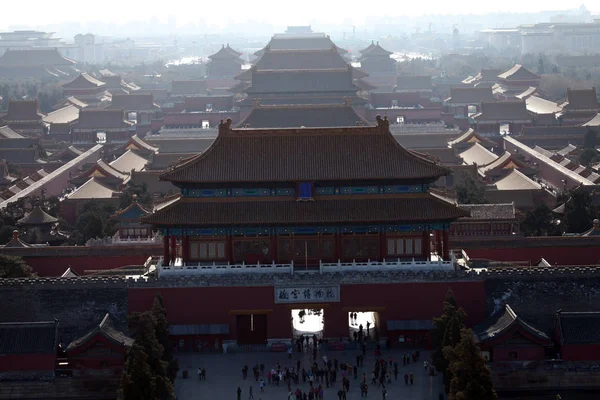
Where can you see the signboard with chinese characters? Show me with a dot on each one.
(307, 294)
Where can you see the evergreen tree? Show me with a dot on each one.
(137, 382)
(470, 192)
(471, 377)
(145, 337)
(162, 334)
(447, 333)
(14, 267)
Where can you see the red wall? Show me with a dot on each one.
(56, 266)
(27, 362)
(524, 353)
(402, 301)
(580, 352)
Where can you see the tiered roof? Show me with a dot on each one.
(300, 60)
(296, 116)
(316, 41)
(333, 154)
(225, 53)
(302, 81)
(374, 50)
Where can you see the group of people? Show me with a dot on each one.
(325, 373)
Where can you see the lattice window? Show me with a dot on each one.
(400, 246)
(418, 246)
(391, 247)
(409, 246)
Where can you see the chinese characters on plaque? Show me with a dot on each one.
(307, 294)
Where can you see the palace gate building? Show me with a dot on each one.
(337, 219)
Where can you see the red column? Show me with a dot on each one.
(229, 249)
(438, 243)
(338, 246)
(446, 246)
(185, 249)
(173, 248)
(166, 257)
(273, 249)
(382, 246)
(426, 245)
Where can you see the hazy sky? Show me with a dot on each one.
(43, 12)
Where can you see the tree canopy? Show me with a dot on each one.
(14, 267)
(162, 334)
(469, 192)
(471, 377)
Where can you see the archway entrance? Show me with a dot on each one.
(251, 328)
(363, 324)
(308, 322)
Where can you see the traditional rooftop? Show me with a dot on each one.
(296, 116)
(514, 110)
(29, 337)
(107, 330)
(506, 321)
(129, 161)
(470, 136)
(133, 212)
(516, 181)
(374, 49)
(581, 100)
(487, 212)
(84, 81)
(302, 81)
(594, 121)
(7, 133)
(478, 155)
(23, 110)
(34, 58)
(335, 154)
(37, 216)
(132, 102)
(63, 115)
(470, 95)
(416, 83)
(92, 189)
(225, 53)
(578, 327)
(315, 41)
(505, 162)
(102, 119)
(537, 105)
(518, 73)
(300, 59)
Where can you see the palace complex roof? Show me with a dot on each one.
(537, 105)
(505, 162)
(37, 216)
(581, 99)
(418, 82)
(84, 81)
(302, 81)
(305, 154)
(506, 321)
(192, 87)
(513, 110)
(225, 53)
(516, 181)
(7, 133)
(478, 155)
(23, 110)
(92, 189)
(129, 161)
(578, 327)
(316, 41)
(102, 119)
(133, 212)
(527, 93)
(29, 337)
(300, 60)
(487, 212)
(470, 95)
(132, 102)
(594, 121)
(63, 115)
(296, 116)
(518, 73)
(422, 207)
(107, 330)
(137, 143)
(375, 50)
(34, 58)
(470, 136)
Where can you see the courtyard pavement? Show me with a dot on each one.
(224, 375)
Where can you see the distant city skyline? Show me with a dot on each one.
(178, 13)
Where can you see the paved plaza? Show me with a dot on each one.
(224, 375)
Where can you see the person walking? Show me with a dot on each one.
(262, 385)
(412, 378)
(199, 373)
(383, 393)
(425, 364)
(251, 394)
(406, 379)
(239, 393)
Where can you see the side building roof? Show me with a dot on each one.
(106, 329)
(518, 73)
(578, 327)
(487, 212)
(506, 321)
(29, 337)
(478, 155)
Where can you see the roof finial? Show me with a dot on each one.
(134, 197)
(15, 234)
